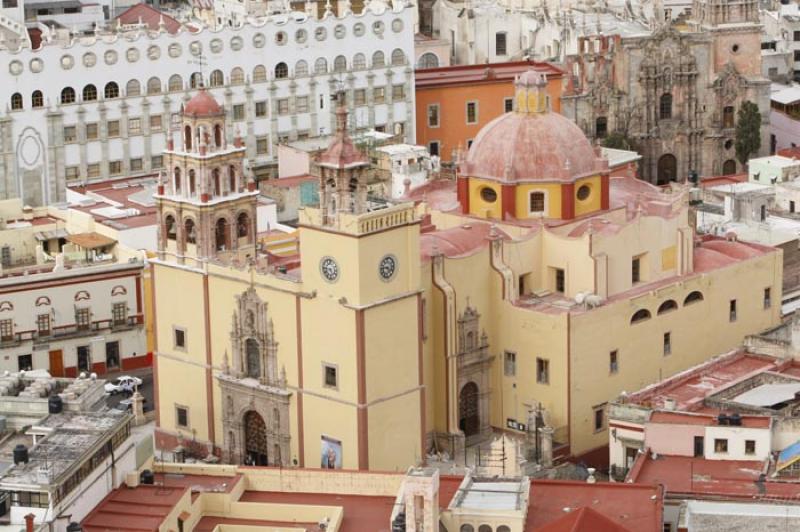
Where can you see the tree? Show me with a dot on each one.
(748, 131)
(617, 140)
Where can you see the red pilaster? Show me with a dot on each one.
(509, 195)
(568, 201)
(462, 192)
(604, 192)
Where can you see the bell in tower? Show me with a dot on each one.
(206, 203)
(342, 170)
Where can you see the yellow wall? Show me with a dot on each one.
(593, 202)
(552, 199)
(478, 206)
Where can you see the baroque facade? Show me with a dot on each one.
(101, 105)
(676, 93)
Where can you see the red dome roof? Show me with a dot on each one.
(202, 104)
(519, 147)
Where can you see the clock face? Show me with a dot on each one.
(387, 267)
(329, 269)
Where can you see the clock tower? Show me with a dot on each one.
(360, 258)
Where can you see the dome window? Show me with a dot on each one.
(584, 191)
(489, 195)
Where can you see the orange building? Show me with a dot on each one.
(454, 103)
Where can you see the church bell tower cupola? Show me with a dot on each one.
(206, 201)
(342, 170)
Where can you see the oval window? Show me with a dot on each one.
(488, 195)
(583, 192)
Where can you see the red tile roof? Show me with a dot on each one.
(700, 478)
(484, 73)
(147, 14)
(583, 520)
(636, 507)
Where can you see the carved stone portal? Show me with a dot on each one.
(474, 363)
(256, 402)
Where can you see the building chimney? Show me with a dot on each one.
(29, 522)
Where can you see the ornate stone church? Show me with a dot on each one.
(674, 94)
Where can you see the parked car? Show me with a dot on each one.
(125, 383)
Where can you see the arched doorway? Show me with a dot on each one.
(667, 169)
(255, 439)
(253, 354)
(469, 419)
(729, 167)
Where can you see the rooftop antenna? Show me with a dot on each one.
(201, 62)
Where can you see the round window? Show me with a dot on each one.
(728, 144)
(583, 192)
(488, 195)
(735, 48)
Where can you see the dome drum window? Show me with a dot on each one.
(488, 194)
(583, 193)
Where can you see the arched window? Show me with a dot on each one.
(169, 225)
(218, 136)
(243, 225)
(601, 127)
(237, 76)
(133, 88)
(253, 355)
(321, 66)
(192, 182)
(340, 63)
(728, 116)
(187, 138)
(398, 57)
(665, 106)
(667, 306)
(281, 71)
(484, 528)
(301, 69)
(177, 175)
(359, 62)
(232, 178)
(428, 60)
(188, 227)
(111, 90)
(154, 85)
(503, 528)
(37, 99)
(467, 528)
(16, 101)
(259, 74)
(378, 60)
(216, 79)
(67, 95)
(640, 315)
(175, 83)
(693, 297)
(89, 93)
(196, 80)
(221, 234)
(729, 167)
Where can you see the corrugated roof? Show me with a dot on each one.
(90, 240)
(788, 456)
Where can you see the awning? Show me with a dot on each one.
(42, 236)
(788, 456)
(90, 240)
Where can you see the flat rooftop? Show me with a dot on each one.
(70, 437)
(119, 203)
(483, 73)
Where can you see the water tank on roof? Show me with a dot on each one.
(55, 405)
(722, 419)
(20, 454)
(147, 477)
(74, 527)
(735, 419)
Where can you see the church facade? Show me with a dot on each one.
(674, 94)
(401, 329)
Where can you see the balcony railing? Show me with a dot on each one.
(60, 332)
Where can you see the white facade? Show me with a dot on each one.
(783, 26)
(409, 166)
(274, 76)
(735, 439)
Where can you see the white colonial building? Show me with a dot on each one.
(102, 105)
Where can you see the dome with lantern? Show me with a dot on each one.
(532, 163)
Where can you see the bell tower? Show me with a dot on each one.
(206, 204)
(342, 171)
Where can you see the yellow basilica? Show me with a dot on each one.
(534, 282)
